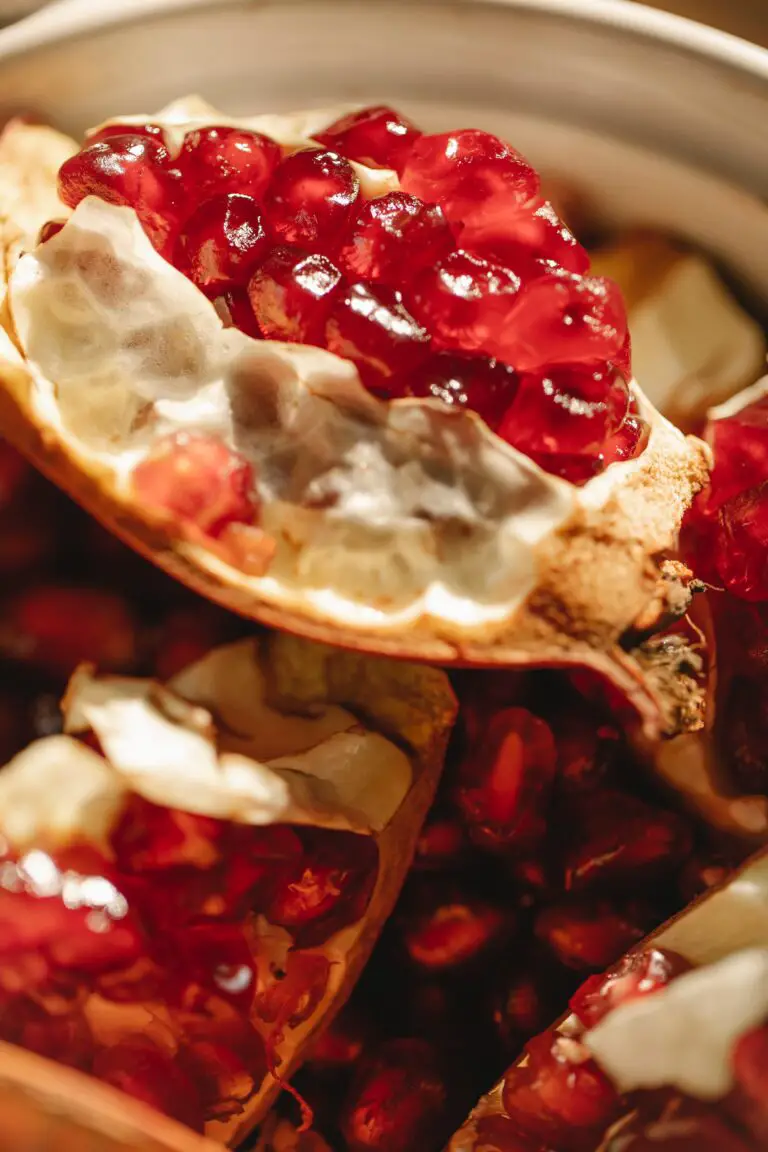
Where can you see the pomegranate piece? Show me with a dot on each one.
(506, 783)
(563, 417)
(588, 934)
(466, 303)
(486, 386)
(378, 137)
(477, 179)
(741, 543)
(699, 875)
(393, 237)
(238, 313)
(523, 1007)
(292, 998)
(291, 295)
(199, 481)
(310, 200)
(62, 1036)
(149, 837)
(740, 446)
(442, 843)
(141, 1069)
(327, 889)
(342, 1044)
(372, 327)
(49, 230)
(560, 1095)
(497, 1133)
(56, 628)
(637, 974)
(452, 930)
(220, 160)
(397, 1102)
(743, 733)
(706, 1132)
(586, 750)
(532, 240)
(750, 1065)
(153, 131)
(221, 243)
(14, 474)
(130, 170)
(630, 440)
(218, 956)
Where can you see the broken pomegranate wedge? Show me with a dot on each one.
(352, 380)
(184, 915)
(667, 1050)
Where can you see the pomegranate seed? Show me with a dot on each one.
(378, 137)
(199, 481)
(750, 1064)
(65, 1037)
(153, 131)
(142, 1070)
(393, 237)
(485, 386)
(586, 750)
(291, 295)
(630, 441)
(532, 240)
(740, 446)
(563, 417)
(130, 170)
(466, 303)
(49, 230)
(588, 935)
(240, 313)
(497, 1133)
(372, 328)
(442, 843)
(449, 933)
(149, 837)
(562, 319)
(741, 543)
(220, 160)
(186, 636)
(397, 1102)
(218, 956)
(341, 1044)
(522, 1009)
(506, 783)
(637, 974)
(310, 200)
(482, 694)
(477, 179)
(560, 1096)
(221, 243)
(292, 998)
(56, 628)
(743, 733)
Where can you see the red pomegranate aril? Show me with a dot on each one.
(522, 1009)
(218, 956)
(740, 446)
(466, 303)
(497, 1133)
(586, 750)
(221, 243)
(628, 442)
(310, 200)
(341, 1044)
(378, 137)
(742, 729)
(392, 238)
(149, 837)
(588, 934)
(530, 241)
(238, 313)
(64, 1037)
(153, 131)
(141, 1069)
(290, 1000)
(506, 783)
(371, 326)
(398, 1101)
(219, 160)
(49, 230)
(477, 179)
(474, 382)
(741, 543)
(452, 934)
(128, 170)
(637, 974)
(199, 481)
(442, 844)
(221, 1077)
(563, 417)
(750, 1065)
(291, 295)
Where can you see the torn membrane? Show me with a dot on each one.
(270, 733)
(401, 527)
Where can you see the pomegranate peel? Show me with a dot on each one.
(256, 733)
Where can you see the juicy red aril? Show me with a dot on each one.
(743, 733)
(485, 386)
(149, 837)
(292, 998)
(522, 1009)
(218, 956)
(630, 440)
(372, 327)
(477, 179)
(141, 1069)
(564, 1101)
(528, 241)
(378, 137)
(750, 1064)
(741, 543)
(221, 243)
(442, 843)
(740, 446)
(563, 417)
(129, 170)
(397, 1102)
(466, 303)
(452, 933)
(239, 313)
(497, 1133)
(563, 319)
(637, 974)
(199, 481)
(291, 294)
(588, 934)
(153, 131)
(49, 230)
(310, 200)
(63, 1036)
(586, 750)
(219, 160)
(681, 1133)
(506, 782)
(393, 237)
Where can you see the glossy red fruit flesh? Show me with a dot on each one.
(393, 237)
(637, 974)
(564, 416)
(474, 382)
(371, 326)
(530, 241)
(560, 1095)
(740, 446)
(523, 1008)
(63, 1036)
(750, 1065)
(466, 303)
(220, 160)
(221, 243)
(149, 837)
(589, 934)
(141, 1069)
(153, 131)
(292, 998)
(198, 481)
(449, 934)
(587, 750)
(477, 179)
(397, 1102)
(741, 543)
(497, 1133)
(291, 295)
(442, 844)
(506, 783)
(743, 732)
(311, 197)
(630, 440)
(130, 170)
(377, 136)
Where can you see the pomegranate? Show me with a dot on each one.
(291, 294)
(372, 327)
(376, 136)
(393, 237)
(636, 974)
(310, 200)
(221, 243)
(220, 161)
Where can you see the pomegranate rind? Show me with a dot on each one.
(466, 552)
(374, 787)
